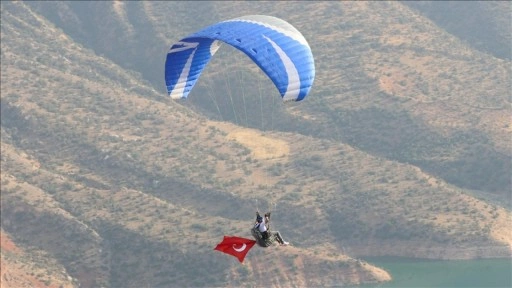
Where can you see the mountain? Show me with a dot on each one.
(402, 147)
(483, 25)
(393, 67)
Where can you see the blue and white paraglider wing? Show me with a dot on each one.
(279, 49)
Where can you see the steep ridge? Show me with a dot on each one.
(127, 182)
(69, 190)
(20, 268)
(484, 25)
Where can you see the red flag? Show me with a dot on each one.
(235, 246)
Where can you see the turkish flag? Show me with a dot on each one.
(235, 246)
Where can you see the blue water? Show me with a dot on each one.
(419, 273)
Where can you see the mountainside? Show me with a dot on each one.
(484, 25)
(395, 71)
(401, 149)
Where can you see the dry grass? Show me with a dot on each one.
(175, 143)
(262, 147)
(20, 269)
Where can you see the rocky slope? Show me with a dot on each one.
(109, 183)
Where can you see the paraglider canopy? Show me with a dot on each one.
(277, 47)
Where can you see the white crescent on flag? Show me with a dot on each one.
(240, 249)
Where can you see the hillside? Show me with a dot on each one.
(32, 268)
(484, 25)
(395, 71)
(118, 186)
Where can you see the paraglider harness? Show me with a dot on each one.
(265, 239)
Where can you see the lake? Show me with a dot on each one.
(414, 273)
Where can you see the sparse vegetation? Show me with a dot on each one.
(119, 185)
